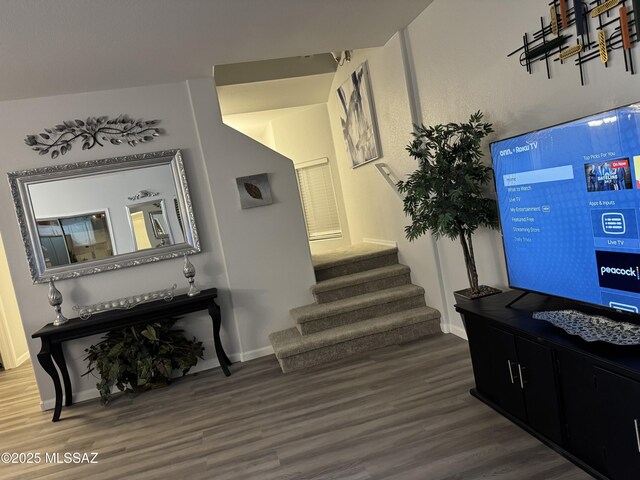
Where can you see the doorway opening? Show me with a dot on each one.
(284, 104)
(13, 342)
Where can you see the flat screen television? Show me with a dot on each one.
(569, 201)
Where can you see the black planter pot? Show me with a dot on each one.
(465, 295)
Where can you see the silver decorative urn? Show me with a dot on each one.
(189, 272)
(55, 300)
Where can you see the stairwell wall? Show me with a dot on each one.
(265, 249)
(305, 135)
(374, 209)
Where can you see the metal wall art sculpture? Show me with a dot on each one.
(613, 30)
(93, 131)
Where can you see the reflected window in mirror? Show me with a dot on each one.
(75, 239)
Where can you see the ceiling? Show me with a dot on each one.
(55, 47)
(253, 124)
(274, 84)
(265, 70)
(274, 94)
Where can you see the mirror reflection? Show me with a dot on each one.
(152, 225)
(93, 216)
(75, 239)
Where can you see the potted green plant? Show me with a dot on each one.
(141, 357)
(445, 194)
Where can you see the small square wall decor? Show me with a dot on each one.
(357, 117)
(254, 191)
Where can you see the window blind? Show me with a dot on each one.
(318, 200)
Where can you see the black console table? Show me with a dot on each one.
(52, 336)
(580, 398)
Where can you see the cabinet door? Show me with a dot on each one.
(477, 334)
(538, 381)
(504, 359)
(577, 393)
(495, 365)
(618, 402)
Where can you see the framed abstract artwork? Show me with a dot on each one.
(357, 117)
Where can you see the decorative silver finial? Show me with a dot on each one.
(55, 300)
(189, 272)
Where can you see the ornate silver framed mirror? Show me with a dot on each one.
(90, 217)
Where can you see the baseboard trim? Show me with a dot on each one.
(82, 396)
(22, 358)
(386, 243)
(458, 331)
(260, 352)
(207, 364)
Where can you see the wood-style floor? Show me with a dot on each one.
(398, 413)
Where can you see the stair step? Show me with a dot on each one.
(295, 351)
(360, 283)
(317, 317)
(353, 259)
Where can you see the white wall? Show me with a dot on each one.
(267, 137)
(374, 209)
(460, 55)
(255, 290)
(265, 249)
(300, 133)
(13, 344)
(305, 135)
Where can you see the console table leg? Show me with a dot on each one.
(216, 318)
(45, 359)
(226, 359)
(58, 357)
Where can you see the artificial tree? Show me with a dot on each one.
(445, 194)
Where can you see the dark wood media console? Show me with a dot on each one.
(582, 399)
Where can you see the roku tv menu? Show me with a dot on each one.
(569, 201)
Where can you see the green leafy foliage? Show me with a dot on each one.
(140, 357)
(445, 194)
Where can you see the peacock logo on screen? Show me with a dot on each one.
(619, 270)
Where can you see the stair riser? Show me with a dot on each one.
(356, 267)
(358, 345)
(361, 314)
(362, 288)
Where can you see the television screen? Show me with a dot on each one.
(569, 201)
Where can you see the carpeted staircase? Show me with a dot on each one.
(364, 300)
